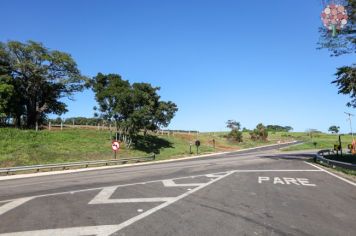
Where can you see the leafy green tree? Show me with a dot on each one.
(233, 124)
(235, 133)
(244, 129)
(260, 133)
(278, 128)
(334, 129)
(345, 40)
(346, 82)
(6, 97)
(7, 90)
(343, 43)
(41, 78)
(133, 108)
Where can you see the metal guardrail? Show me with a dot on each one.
(320, 157)
(64, 166)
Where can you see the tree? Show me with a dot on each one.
(244, 129)
(343, 43)
(345, 40)
(41, 77)
(133, 108)
(260, 133)
(235, 133)
(6, 97)
(334, 129)
(233, 124)
(346, 82)
(278, 128)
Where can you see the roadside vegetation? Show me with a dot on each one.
(318, 141)
(28, 147)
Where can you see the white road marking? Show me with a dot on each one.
(277, 181)
(171, 183)
(290, 181)
(339, 177)
(262, 178)
(305, 182)
(213, 175)
(129, 200)
(13, 204)
(106, 230)
(308, 170)
(154, 181)
(285, 180)
(104, 197)
(102, 230)
(163, 205)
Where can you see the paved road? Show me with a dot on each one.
(253, 193)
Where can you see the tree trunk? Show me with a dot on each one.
(18, 121)
(31, 115)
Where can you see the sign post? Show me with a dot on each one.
(197, 144)
(115, 147)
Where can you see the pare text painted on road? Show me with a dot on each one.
(285, 181)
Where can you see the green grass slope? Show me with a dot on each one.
(27, 147)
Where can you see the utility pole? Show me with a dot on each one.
(349, 114)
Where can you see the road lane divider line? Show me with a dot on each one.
(332, 174)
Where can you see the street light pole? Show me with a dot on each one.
(349, 114)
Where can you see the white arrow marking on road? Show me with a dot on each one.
(13, 204)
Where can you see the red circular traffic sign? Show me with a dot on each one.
(115, 145)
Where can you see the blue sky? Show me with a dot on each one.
(252, 61)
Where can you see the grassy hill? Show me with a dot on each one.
(27, 147)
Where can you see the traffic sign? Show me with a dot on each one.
(115, 146)
(197, 144)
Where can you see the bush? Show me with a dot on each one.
(235, 135)
(260, 133)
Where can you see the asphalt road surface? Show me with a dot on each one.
(263, 192)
